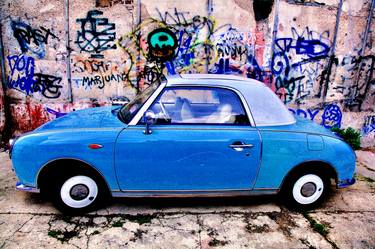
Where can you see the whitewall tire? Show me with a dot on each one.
(79, 191)
(307, 189)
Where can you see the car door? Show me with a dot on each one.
(201, 140)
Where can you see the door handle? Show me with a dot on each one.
(240, 146)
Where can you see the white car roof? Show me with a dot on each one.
(266, 108)
(213, 79)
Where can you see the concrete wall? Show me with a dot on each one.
(60, 56)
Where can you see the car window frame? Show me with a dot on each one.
(139, 115)
(241, 98)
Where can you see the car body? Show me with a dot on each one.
(191, 135)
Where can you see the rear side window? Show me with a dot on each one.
(267, 109)
(199, 105)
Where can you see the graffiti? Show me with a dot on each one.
(21, 75)
(30, 39)
(94, 66)
(110, 3)
(180, 21)
(236, 54)
(357, 80)
(331, 115)
(309, 113)
(57, 114)
(296, 63)
(48, 85)
(96, 34)
(23, 78)
(161, 44)
(170, 44)
(369, 125)
(100, 81)
(230, 44)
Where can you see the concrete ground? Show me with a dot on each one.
(346, 220)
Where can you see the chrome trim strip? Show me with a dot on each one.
(186, 190)
(194, 127)
(146, 105)
(200, 193)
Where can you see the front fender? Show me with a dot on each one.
(35, 150)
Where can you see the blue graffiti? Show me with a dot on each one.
(21, 74)
(368, 129)
(369, 125)
(23, 78)
(314, 49)
(308, 48)
(56, 113)
(332, 116)
(254, 71)
(309, 113)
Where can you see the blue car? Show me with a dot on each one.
(190, 135)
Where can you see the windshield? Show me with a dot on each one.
(129, 110)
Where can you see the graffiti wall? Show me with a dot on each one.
(61, 56)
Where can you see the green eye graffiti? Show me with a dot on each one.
(162, 44)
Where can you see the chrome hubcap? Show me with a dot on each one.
(308, 189)
(79, 192)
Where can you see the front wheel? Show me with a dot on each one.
(78, 193)
(306, 190)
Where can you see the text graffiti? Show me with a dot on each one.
(330, 116)
(30, 39)
(23, 78)
(96, 34)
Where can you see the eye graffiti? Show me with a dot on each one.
(162, 44)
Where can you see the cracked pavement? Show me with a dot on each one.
(346, 220)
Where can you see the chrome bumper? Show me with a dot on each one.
(345, 183)
(22, 187)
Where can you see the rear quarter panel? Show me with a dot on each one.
(282, 151)
(33, 151)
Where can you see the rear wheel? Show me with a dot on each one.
(306, 190)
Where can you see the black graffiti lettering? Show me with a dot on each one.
(100, 81)
(96, 34)
(30, 39)
(48, 85)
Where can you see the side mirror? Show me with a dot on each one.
(149, 118)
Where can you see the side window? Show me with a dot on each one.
(199, 105)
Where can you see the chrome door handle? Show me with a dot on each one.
(239, 146)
